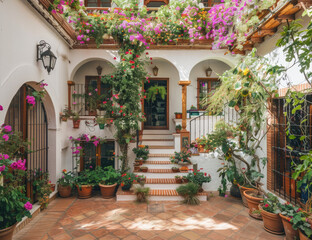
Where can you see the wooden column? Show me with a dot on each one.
(185, 135)
(69, 84)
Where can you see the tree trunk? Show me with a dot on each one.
(124, 157)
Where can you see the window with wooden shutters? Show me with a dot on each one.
(205, 86)
(155, 3)
(98, 3)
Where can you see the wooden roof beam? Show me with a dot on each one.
(248, 47)
(264, 32)
(284, 18)
(257, 39)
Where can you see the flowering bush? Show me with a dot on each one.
(128, 179)
(271, 204)
(14, 204)
(67, 178)
(141, 152)
(198, 177)
(181, 157)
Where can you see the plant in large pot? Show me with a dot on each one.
(270, 214)
(141, 153)
(127, 180)
(84, 182)
(101, 121)
(107, 178)
(288, 211)
(189, 192)
(198, 178)
(300, 221)
(65, 184)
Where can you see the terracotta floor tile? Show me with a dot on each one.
(191, 235)
(100, 232)
(85, 237)
(109, 237)
(122, 233)
(62, 236)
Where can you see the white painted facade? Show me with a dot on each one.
(21, 28)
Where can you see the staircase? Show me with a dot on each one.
(159, 178)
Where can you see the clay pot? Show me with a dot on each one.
(178, 180)
(137, 168)
(64, 119)
(242, 189)
(108, 191)
(272, 222)
(175, 169)
(253, 203)
(234, 191)
(64, 191)
(144, 169)
(84, 191)
(52, 187)
(302, 236)
(289, 231)
(7, 233)
(178, 115)
(76, 123)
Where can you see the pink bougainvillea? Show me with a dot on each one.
(31, 100)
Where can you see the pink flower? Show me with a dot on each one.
(28, 206)
(20, 164)
(2, 168)
(225, 195)
(31, 100)
(5, 137)
(7, 128)
(1, 108)
(266, 205)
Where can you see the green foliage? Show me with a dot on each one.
(67, 179)
(153, 91)
(141, 152)
(101, 120)
(178, 127)
(107, 175)
(85, 177)
(189, 192)
(128, 179)
(271, 204)
(142, 194)
(198, 177)
(42, 187)
(181, 157)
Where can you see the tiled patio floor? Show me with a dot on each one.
(97, 218)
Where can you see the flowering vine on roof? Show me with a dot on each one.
(225, 24)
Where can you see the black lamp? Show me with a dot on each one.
(155, 70)
(208, 72)
(47, 57)
(99, 70)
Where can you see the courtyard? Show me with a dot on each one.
(96, 218)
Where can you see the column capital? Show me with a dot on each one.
(184, 83)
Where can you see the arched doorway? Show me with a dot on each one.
(32, 123)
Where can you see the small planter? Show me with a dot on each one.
(64, 191)
(64, 119)
(289, 231)
(76, 123)
(178, 130)
(200, 189)
(193, 113)
(141, 181)
(253, 203)
(144, 169)
(140, 161)
(84, 191)
(184, 169)
(109, 120)
(201, 148)
(101, 126)
(178, 115)
(185, 180)
(108, 191)
(7, 233)
(52, 187)
(126, 187)
(272, 222)
(302, 236)
(242, 189)
(234, 191)
(137, 168)
(178, 180)
(175, 170)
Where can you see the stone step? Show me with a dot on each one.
(157, 195)
(156, 132)
(157, 136)
(161, 147)
(162, 165)
(160, 156)
(167, 173)
(153, 142)
(161, 186)
(161, 151)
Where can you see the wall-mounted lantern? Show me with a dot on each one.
(155, 70)
(208, 72)
(47, 57)
(99, 70)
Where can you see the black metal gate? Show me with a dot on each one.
(32, 123)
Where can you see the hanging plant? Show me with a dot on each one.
(153, 92)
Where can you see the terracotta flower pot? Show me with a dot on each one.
(253, 203)
(175, 170)
(302, 236)
(242, 189)
(272, 222)
(145, 169)
(289, 231)
(52, 187)
(76, 123)
(137, 168)
(64, 191)
(178, 115)
(7, 233)
(108, 191)
(178, 180)
(84, 191)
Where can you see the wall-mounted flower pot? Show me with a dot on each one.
(108, 191)
(64, 191)
(178, 115)
(101, 126)
(7, 233)
(253, 201)
(84, 191)
(76, 123)
(272, 222)
(289, 231)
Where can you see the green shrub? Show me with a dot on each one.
(189, 192)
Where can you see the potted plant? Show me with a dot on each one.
(137, 166)
(141, 193)
(42, 188)
(254, 198)
(101, 121)
(193, 111)
(184, 179)
(270, 214)
(127, 180)
(144, 169)
(107, 178)
(175, 169)
(184, 169)
(178, 179)
(178, 115)
(141, 180)
(198, 178)
(65, 184)
(189, 192)
(52, 186)
(76, 120)
(84, 183)
(178, 128)
(181, 158)
(141, 152)
(65, 114)
(288, 211)
(153, 92)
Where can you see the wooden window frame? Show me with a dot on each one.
(148, 1)
(98, 3)
(97, 155)
(208, 80)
